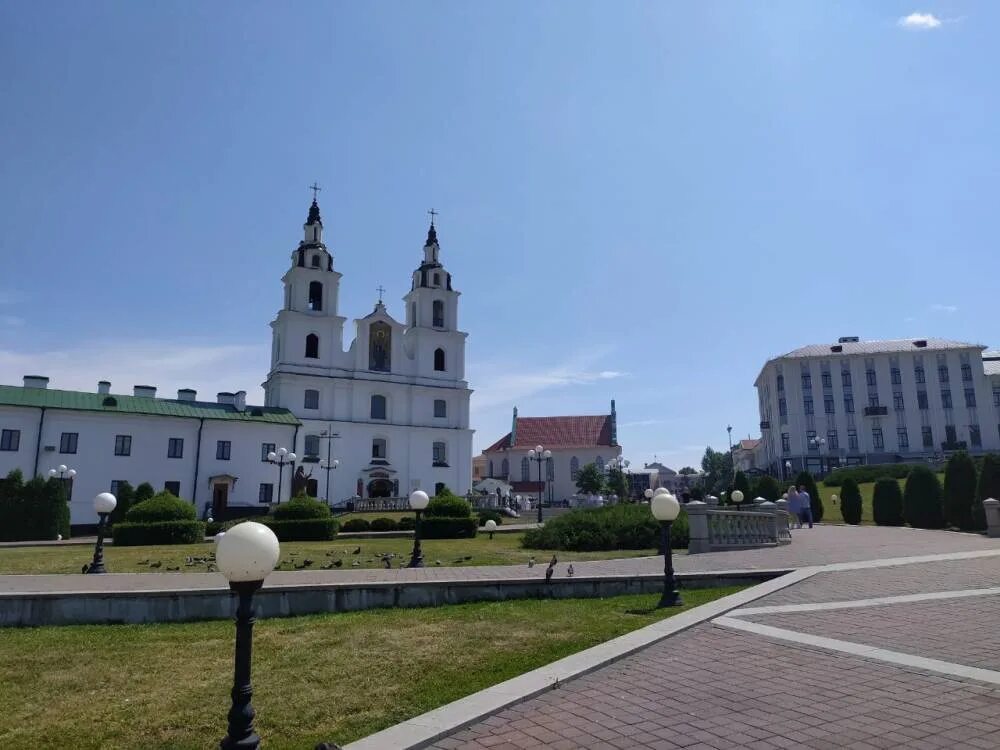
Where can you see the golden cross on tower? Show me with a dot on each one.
(380, 291)
(433, 213)
(315, 188)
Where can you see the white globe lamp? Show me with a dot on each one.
(247, 553)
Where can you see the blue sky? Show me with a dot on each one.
(639, 201)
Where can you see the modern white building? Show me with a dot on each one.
(854, 402)
(575, 441)
(392, 408)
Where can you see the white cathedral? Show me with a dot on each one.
(391, 412)
(396, 398)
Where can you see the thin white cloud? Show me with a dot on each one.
(11, 321)
(938, 307)
(919, 22)
(641, 423)
(169, 365)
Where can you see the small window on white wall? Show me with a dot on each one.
(440, 454)
(378, 448)
(440, 407)
(378, 407)
(311, 400)
(439, 360)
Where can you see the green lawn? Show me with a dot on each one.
(832, 510)
(396, 515)
(503, 549)
(319, 678)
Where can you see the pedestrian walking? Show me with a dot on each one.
(794, 506)
(805, 506)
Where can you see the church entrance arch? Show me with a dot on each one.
(380, 488)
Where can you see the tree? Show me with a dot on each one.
(805, 479)
(741, 483)
(617, 483)
(922, 499)
(850, 502)
(718, 468)
(959, 490)
(988, 487)
(143, 492)
(590, 481)
(768, 488)
(125, 495)
(887, 502)
(688, 470)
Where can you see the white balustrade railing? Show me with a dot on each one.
(713, 529)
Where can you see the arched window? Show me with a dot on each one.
(550, 469)
(378, 406)
(315, 261)
(437, 279)
(574, 468)
(311, 399)
(439, 360)
(315, 295)
(378, 448)
(505, 469)
(491, 467)
(440, 454)
(312, 346)
(525, 469)
(380, 347)
(438, 308)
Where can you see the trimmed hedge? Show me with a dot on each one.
(624, 526)
(922, 499)
(448, 506)
(443, 527)
(407, 523)
(303, 529)
(355, 524)
(384, 524)
(868, 473)
(850, 502)
(32, 510)
(490, 515)
(887, 502)
(161, 507)
(959, 490)
(300, 507)
(129, 534)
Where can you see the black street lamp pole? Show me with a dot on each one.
(671, 597)
(281, 458)
(241, 734)
(328, 435)
(97, 566)
(538, 454)
(417, 556)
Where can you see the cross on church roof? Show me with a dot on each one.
(315, 188)
(433, 213)
(380, 291)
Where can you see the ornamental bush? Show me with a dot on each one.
(959, 490)
(407, 523)
(32, 510)
(922, 499)
(741, 483)
(144, 492)
(490, 515)
(384, 524)
(850, 502)
(163, 506)
(623, 526)
(815, 501)
(300, 507)
(126, 497)
(444, 527)
(448, 506)
(887, 502)
(987, 487)
(356, 524)
(129, 534)
(867, 473)
(303, 529)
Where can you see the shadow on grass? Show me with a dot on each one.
(645, 612)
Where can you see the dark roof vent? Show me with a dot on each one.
(848, 340)
(110, 401)
(836, 348)
(920, 344)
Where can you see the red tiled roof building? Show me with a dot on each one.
(575, 441)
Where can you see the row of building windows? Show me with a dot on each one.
(898, 402)
(381, 362)
(871, 379)
(377, 406)
(878, 440)
(550, 471)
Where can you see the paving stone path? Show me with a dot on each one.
(902, 656)
(817, 546)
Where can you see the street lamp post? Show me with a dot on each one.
(621, 465)
(737, 497)
(328, 464)
(539, 455)
(418, 501)
(65, 475)
(665, 509)
(819, 444)
(788, 469)
(490, 526)
(281, 458)
(104, 503)
(244, 555)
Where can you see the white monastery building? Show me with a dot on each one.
(854, 402)
(392, 409)
(575, 441)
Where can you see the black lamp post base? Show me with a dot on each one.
(250, 742)
(416, 562)
(670, 599)
(96, 568)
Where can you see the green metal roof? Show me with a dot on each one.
(50, 398)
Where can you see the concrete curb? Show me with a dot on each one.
(427, 728)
